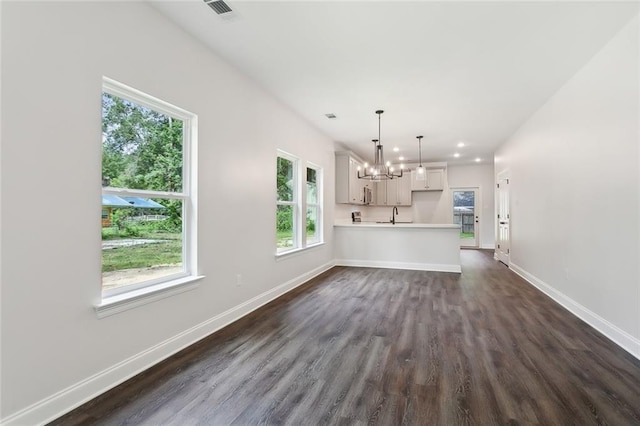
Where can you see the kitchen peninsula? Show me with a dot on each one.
(418, 246)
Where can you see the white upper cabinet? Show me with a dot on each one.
(350, 189)
(381, 193)
(394, 192)
(430, 180)
(404, 190)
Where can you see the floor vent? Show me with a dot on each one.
(219, 6)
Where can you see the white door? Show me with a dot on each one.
(466, 213)
(503, 245)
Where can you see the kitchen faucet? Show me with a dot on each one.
(394, 212)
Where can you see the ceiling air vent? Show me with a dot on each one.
(219, 6)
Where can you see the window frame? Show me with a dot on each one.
(300, 203)
(187, 195)
(294, 203)
(318, 205)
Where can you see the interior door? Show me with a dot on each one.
(466, 214)
(503, 245)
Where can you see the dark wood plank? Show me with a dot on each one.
(390, 347)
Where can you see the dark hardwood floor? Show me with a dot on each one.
(390, 347)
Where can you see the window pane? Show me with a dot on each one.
(313, 233)
(285, 179)
(464, 212)
(142, 242)
(141, 148)
(284, 228)
(312, 186)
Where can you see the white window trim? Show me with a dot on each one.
(132, 299)
(293, 253)
(127, 297)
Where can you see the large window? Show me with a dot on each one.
(314, 211)
(287, 203)
(293, 229)
(148, 235)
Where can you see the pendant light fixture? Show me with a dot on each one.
(379, 170)
(420, 169)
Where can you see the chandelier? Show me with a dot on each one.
(379, 170)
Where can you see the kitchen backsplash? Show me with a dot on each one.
(373, 214)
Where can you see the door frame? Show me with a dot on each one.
(476, 210)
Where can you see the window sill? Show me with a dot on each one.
(122, 302)
(298, 251)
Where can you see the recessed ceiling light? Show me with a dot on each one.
(396, 149)
(478, 160)
(460, 144)
(456, 155)
(401, 158)
(330, 116)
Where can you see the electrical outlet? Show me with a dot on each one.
(238, 280)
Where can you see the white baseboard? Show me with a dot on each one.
(72, 397)
(611, 331)
(399, 265)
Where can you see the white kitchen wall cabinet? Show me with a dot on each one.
(350, 189)
(404, 190)
(430, 180)
(394, 192)
(381, 193)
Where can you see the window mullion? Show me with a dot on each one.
(126, 192)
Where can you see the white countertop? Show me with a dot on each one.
(414, 246)
(349, 224)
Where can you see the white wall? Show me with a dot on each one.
(432, 206)
(54, 55)
(478, 176)
(575, 183)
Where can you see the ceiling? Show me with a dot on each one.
(454, 72)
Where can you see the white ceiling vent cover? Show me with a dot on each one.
(219, 6)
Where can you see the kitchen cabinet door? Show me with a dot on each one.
(435, 179)
(418, 181)
(403, 197)
(349, 189)
(356, 189)
(392, 192)
(381, 193)
(430, 180)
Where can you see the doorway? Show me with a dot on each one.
(466, 214)
(503, 243)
